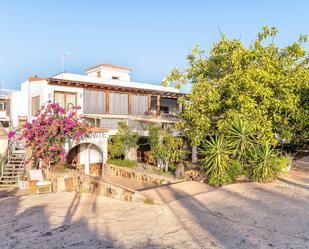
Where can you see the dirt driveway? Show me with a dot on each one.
(247, 215)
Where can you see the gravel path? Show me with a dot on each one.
(246, 215)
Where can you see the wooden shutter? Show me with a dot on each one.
(35, 104)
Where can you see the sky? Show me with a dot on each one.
(152, 36)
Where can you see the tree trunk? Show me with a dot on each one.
(194, 154)
(127, 155)
(166, 165)
(160, 163)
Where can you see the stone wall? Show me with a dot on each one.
(113, 170)
(95, 169)
(71, 180)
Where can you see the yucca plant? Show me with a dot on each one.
(264, 163)
(241, 136)
(216, 162)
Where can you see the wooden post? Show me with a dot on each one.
(107, 102)
(149, 104)
(158, 105)
(180, 108)
(129, 103)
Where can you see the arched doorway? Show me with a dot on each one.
(86, 158)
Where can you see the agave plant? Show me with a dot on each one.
(241, 135)
(216, 162)
(264, 163)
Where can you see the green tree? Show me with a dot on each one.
(261, 82)
(123, 141)
(165, 146)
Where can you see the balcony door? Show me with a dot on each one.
(66, 100)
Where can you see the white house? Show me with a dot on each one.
(5, 119)
(106, 96)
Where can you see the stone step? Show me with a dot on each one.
(14, 166)
(7, 185)
(10, 173)
(8, 181)
(9, 177)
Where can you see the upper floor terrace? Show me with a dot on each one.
(106, 96)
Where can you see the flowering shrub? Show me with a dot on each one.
(11, 134)
(52, 127)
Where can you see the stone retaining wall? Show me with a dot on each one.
(71, 180)
(114, 170)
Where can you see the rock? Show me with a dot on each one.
(194, 175)
(180, 171)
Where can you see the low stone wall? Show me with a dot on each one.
(114, 170)
(72, 180)
(95, 169)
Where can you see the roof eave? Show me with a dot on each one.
(98, 86)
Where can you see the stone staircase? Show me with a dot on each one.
(12, 163)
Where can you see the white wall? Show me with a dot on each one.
(3, 145)
(107, 74)
(3, 115)
(22, 106)
(19, 106)
(95, 154)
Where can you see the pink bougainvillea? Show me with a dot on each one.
(52, 127)
(11, 134)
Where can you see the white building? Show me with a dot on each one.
(5, 119)
(106, 96)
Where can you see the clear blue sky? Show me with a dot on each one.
(151, 37)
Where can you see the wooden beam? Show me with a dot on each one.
(149, 104)
(107, 102)
(129, 103)
(158, 105)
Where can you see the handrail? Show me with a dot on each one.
(5, 157)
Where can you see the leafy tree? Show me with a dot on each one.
(165, 146)
(124, 140)
(261, 82)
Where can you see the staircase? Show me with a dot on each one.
(12, 163)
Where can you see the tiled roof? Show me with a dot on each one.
(35, 78)
(109, 66)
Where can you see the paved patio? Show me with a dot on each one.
(246, 215)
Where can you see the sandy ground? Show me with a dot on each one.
(246, 215)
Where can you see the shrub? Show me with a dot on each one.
(265, 163)
(238, 152)
(217, 163)
(122, 163)
(165, 146)
(241, 136)
(51, 129)
(123, 141)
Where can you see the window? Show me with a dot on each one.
(99, 74)
(35, 105)
(115, 78)
(2, 105)
(66, 100)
